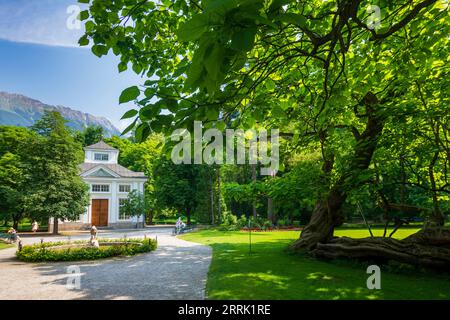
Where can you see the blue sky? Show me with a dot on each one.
(39, 58)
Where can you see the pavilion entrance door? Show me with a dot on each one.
(100, 212)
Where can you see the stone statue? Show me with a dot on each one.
(93, 242)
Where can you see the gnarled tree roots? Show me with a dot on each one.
(428, 248)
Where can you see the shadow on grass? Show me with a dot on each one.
(269, 272)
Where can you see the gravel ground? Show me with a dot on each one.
(177, 270)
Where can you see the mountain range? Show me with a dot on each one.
(19, 110)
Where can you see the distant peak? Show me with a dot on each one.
(20, 110)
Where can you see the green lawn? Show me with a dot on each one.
(24, 226)
(5, 245)
(272, 273)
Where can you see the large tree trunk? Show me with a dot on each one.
(212, 203)
(55, 226)
(270, 209)
(16, 220)
(219, 194)
(326, 216)
(437, 217)
(188, 215)
(328, 211)
(150, 217)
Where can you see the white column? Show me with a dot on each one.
(114, 214)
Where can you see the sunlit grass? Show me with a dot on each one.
(5, 245)
(270, 272)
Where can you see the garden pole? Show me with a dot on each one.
(249, 236)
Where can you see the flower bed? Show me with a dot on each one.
(80, 250)
(272, 229)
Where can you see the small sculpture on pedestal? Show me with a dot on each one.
(93, 242)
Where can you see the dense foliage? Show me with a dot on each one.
(369, 93)
(39, 172)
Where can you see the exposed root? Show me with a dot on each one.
(429, 248)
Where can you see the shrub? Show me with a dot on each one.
(230, 219)
(267, 225)
(281, 223)
(230, 222)
(49, 252)
(242, 222)
(296, 223)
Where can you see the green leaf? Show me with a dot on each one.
(293, 18)
(165, 119)
(278, 112)
(129, 128)
(149, 92)
(148, 112)
(212, 114)
(244, 40)
(89, 26)
(99, 50)
(130, 114)
(171, 104)
(213, 60)
(84, 15)
(129, 94)
(193, 29)
(137, 68)
(84, 41)
(270, 84)
(180, 71)
(142, 132)
(123, 66)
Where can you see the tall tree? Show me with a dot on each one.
(12, 189)
(15, 172)
(58, 190)
(90, 135)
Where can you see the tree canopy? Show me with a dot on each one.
(365, 86)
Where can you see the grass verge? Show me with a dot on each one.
(269, 272)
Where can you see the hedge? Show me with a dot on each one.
(48, 251)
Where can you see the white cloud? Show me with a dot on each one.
(38, 21)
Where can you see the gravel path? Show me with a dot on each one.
(176, 270)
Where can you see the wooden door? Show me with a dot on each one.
(100, 212)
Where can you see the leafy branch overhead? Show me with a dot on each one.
(365, 88)
(250, 61)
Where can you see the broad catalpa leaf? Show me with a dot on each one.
(244, 40)
(129, 94)
(293, 18)
(84, 41)
(129, 128)
(213, 60)
(84, 15)
(142, 132)
(193, 29)
(130, 114)
(99, 50)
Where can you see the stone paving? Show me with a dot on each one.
(177, 270)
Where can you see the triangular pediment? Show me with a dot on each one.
(101, 173)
